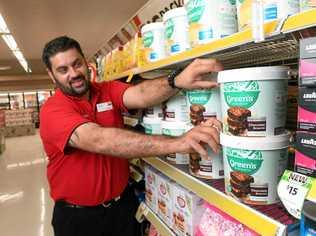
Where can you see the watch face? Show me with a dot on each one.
(171, 77)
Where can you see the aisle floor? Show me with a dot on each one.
(25, 204)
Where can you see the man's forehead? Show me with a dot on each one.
(67, 57)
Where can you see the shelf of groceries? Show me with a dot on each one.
(280, 42)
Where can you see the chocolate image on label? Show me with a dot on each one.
(240, 183)
(237, 120)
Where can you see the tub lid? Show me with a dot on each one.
(253, 73)
(152, 26)
(148, 120)
(309, 210)
(180, 11)
(174, 125)
(256, 143)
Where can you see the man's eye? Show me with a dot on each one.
(78, 64)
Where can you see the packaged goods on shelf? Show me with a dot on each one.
(307, 109)
(151, 186)
(165, 195)
(2, 140)
(308, 221)
(153, 36)
(117, 60)
(177, 109)
(22, 130)
(176, 31)
(108, 65)
(216, 222)
(254, 100)
(187, 211)
(2, 118)
(175, 129)
(210, 20)
(19, 117)
(307, 4)
(152, 125)
(154, 112)
(253, 167)
(305, 153)
(307, 64)
(272, 10)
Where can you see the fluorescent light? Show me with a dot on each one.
(18, 54)
(3, 26)
(10, 41)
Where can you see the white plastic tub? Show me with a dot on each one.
(152, 125)
(176, 31)
(177, 109)
(254, 100)
(154, 112)
(253, 167)
(210, 20)
(175, 129)
(154, 41)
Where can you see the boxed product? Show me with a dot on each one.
(151, 188)
(307, 70)
(216, 222)
(307, 109)
(165, 196)
(187, 211)
(22, 130)
(305, 153)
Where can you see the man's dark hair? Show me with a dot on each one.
(60, 44)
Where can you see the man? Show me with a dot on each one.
(88, 148)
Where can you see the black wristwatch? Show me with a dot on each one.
(171, 78)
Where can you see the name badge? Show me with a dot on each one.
(105, 106)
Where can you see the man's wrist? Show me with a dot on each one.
(172, 78)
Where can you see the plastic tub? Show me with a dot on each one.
(210, 20)
(307, 4)
(254, 100)
(153, 41)
(154, 112)
(272, 10)
(177, 109)
(175, 129)
(176, 30)
(308, 220)
(152, 125)
(253, 167)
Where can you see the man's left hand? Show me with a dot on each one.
(192, 76)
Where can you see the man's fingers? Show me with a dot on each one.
(213, 122)
(211, 132)
(208, 139)
(197, 147)
(213, 64)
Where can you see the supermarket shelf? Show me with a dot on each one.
(160, 226)
(262, 218)
(239, 49)
(312, 193)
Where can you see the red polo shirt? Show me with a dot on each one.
(77, 176)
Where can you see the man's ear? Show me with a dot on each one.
(50, 73)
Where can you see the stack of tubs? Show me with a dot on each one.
(254, 139)
(152, 120)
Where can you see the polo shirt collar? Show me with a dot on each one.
(94, 92)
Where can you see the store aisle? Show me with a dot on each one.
(25, 204)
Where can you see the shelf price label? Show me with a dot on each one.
(292, 190)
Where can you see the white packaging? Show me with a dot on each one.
(152, 125)
(253, 167)
(165, 196)
(176, 31)
(254, 100)
(210, 20)
(187, 211)
(307, 5)
(177, 109)
(175, 129)
(154, 41)
(272, 10)
(154, 112)
(151, 183)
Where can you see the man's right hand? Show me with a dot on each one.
(197, 138)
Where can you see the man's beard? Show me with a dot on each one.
(77, 92)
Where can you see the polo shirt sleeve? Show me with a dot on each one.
(57, 123)
(117, 90)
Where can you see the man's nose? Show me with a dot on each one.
(73, 72)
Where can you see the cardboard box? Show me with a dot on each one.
(151, 183)
(165, 197)
(187, 211)
(308, 48)
(23, 130)
(307, 72)
(305, 153)
(307, 109)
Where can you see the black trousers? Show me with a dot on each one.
(115, 220)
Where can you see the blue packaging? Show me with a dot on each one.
(308, 220)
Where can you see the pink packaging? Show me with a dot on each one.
(217, 222)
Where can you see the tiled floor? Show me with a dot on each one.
(25, 204)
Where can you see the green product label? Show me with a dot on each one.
(199, 96)
(241, 1)
(167, 132)
(233, 2)
(195, 10)
(148, 39)
(241, 94)
(245, 161)
(169, 28)
(148, 129)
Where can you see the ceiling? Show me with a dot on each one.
(35, 22)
